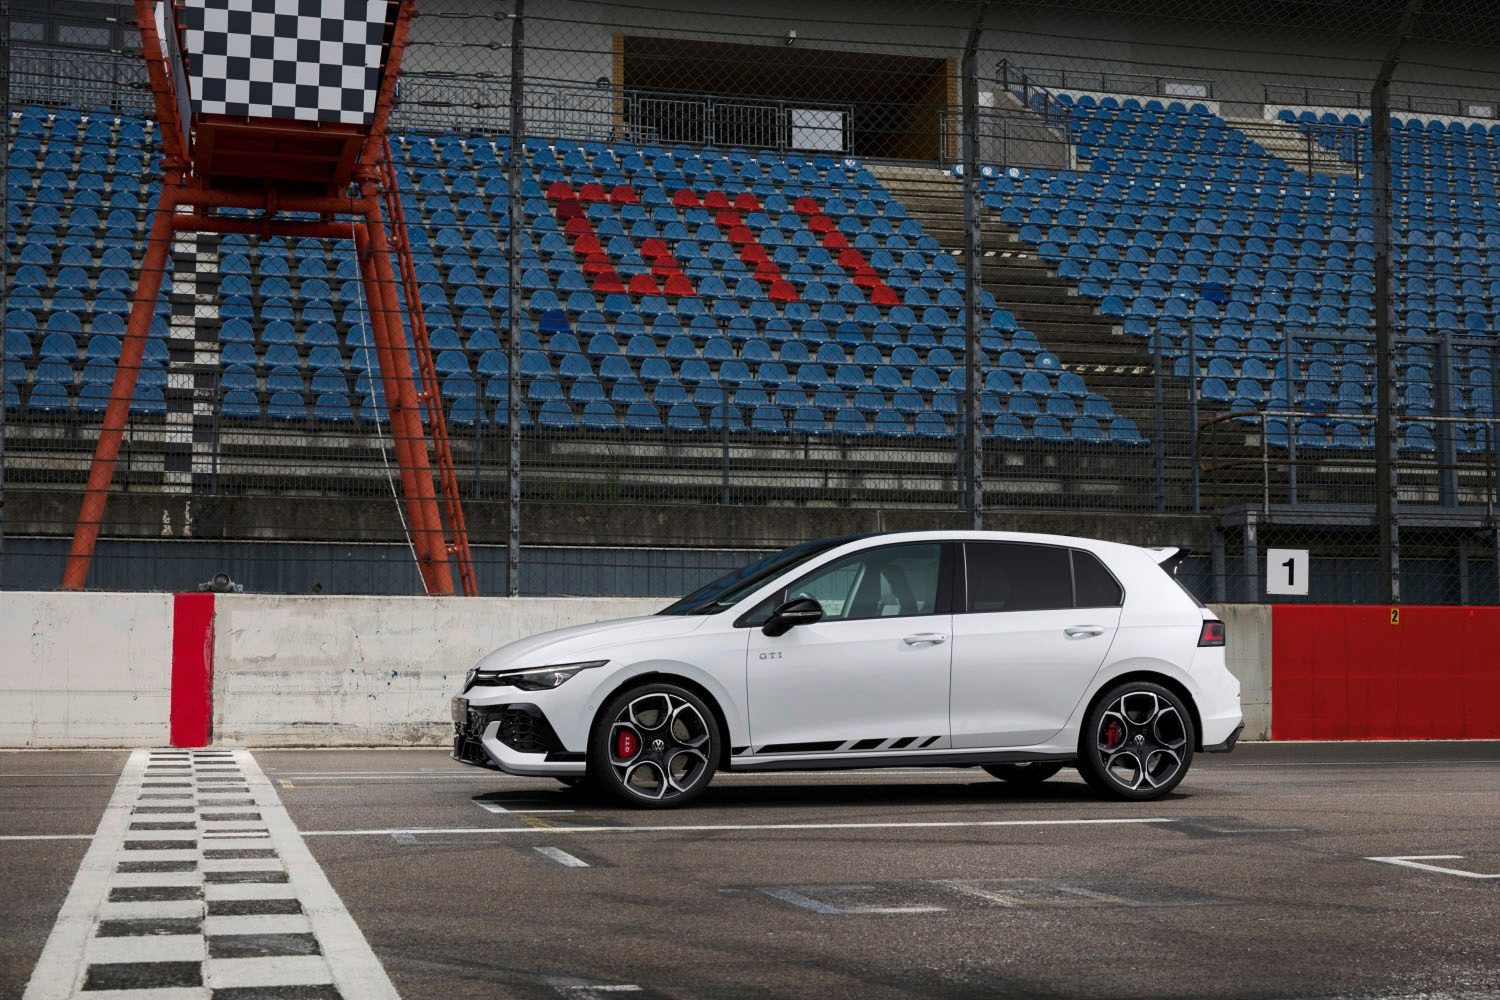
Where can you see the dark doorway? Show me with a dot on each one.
(785, 97)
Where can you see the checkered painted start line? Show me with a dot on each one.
(197, 885)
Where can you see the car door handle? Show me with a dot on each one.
(926, 639)
(1083, 631)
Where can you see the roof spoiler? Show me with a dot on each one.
(1169, 557)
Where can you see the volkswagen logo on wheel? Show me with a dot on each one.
(1139, 739)
(657, 746)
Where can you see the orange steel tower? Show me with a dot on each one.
(296, 127)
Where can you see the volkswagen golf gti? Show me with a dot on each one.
(1017, 653)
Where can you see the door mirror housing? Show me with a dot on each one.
(797, 611)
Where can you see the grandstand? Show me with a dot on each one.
(1178, 306)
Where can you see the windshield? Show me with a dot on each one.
(730, 589)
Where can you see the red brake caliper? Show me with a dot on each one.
(626, 744)
(1114, 734)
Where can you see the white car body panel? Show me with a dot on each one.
(847, 681)
(850, 681)
(1018, 675)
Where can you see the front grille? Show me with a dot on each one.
(523, 728)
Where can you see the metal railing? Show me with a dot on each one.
(1025, 80)
(1278, 95)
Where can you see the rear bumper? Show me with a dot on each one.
(1228, 744)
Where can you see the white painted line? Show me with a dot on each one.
(154, 909)
(282, 970)
(241, 865)
(248, 890)
(353, 966)
(59, 971)
(733, 827)
(49, 836)
(561, 856)
(125, 879)
(1415, 861)
(147, 948)
(495, 807)
(163, 993)
(289, 923)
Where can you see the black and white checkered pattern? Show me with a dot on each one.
(309, 60)
(197, 886)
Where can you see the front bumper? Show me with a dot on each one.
(516, 739)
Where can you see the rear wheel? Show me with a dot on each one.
(1137, 742)
(654, 746)
(1023, 772)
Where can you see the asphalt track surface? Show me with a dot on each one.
(1255, 879)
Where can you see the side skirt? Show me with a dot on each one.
(846, 762)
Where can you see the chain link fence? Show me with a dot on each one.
(742, 278)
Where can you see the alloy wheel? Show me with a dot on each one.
(1141, 741)
(658, 746)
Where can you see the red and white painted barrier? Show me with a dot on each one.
(1381, 673)
(190, 669)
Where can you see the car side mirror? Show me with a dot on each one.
(797, 611)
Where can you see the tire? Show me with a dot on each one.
(1028, 773)
(1137, 742)
(654, 746)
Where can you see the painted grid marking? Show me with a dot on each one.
(561, 856)
(187, 902)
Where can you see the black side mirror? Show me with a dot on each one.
(797, 611)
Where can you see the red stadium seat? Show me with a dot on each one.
(558, 190)
(820, 224)
(678, 286)
(807, 205)
(746, 201)
(716, 199)
(883, 295)
(592, 192)
(684, 198)
(624, 194)
(644, 284)
(782, 291)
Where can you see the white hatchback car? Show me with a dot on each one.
(1018, 653)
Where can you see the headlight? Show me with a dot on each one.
(533, 678)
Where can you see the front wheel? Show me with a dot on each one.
(1137, 742)
(1023, 772)
(654, 746)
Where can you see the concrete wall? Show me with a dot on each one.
(365, 671)
(1248, 649)
(96, 669)
(81, 670)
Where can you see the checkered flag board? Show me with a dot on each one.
(310, 60)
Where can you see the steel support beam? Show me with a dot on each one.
(1386, 431)
(513, 326)
(122, 388)
(973, 444)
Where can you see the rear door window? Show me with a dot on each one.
(1017, 576)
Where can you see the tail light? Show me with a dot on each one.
(1212, 633)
